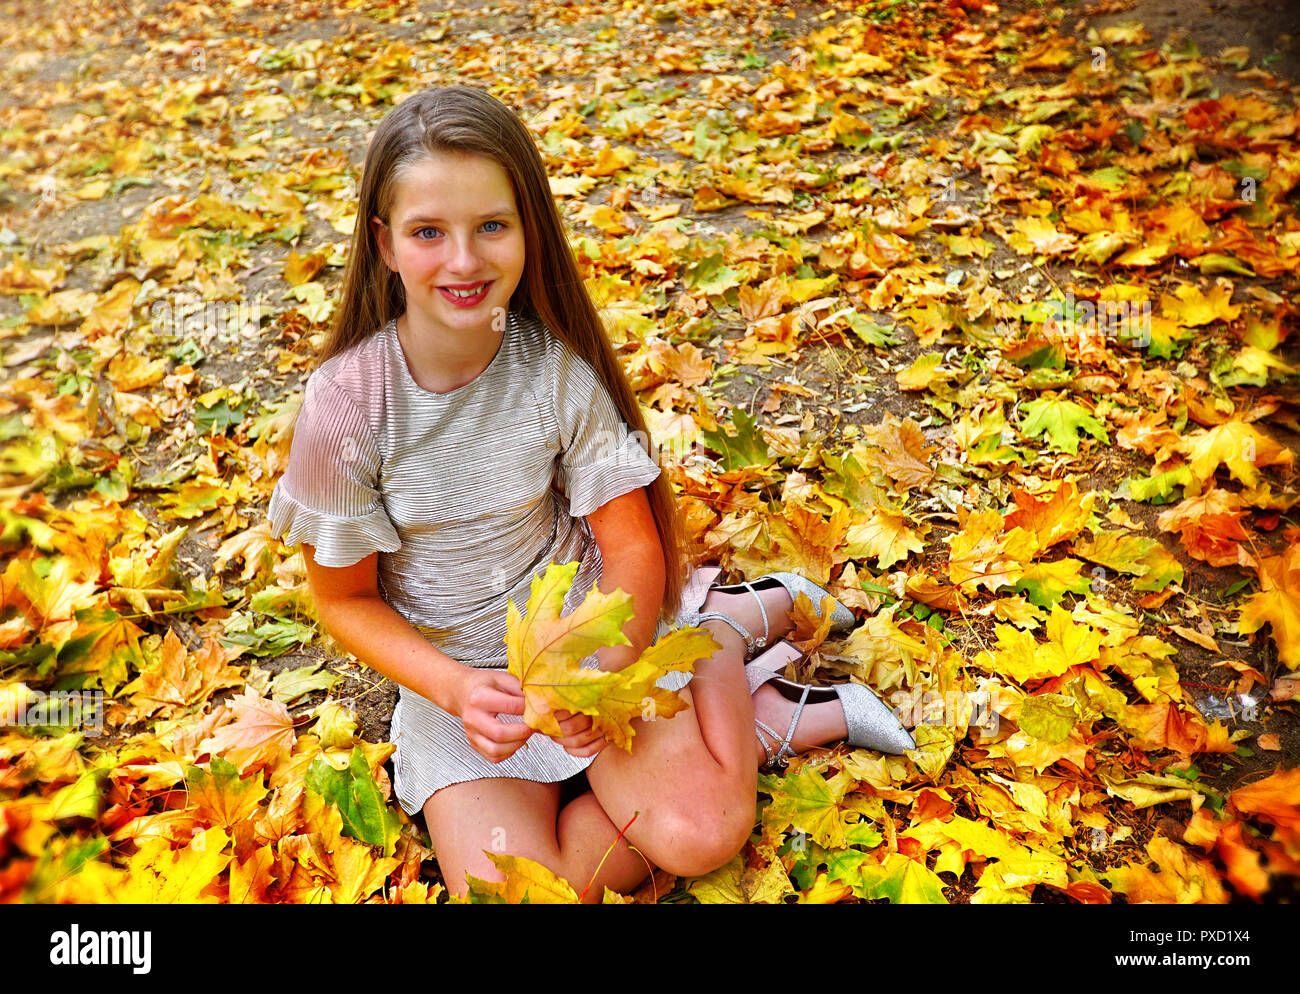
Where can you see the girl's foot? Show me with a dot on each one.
(759, 611)
(743, 607)
(819, 724)
(793, 717)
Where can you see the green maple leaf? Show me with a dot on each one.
(747, 447)
(79, 799)
(215, 419)
(711, 275)
(1121, 551)
(1045, 584)
(290, 685)
(1061, 421)
(840, 864)
(870, 332)
(900, 880)
(1141, 557)
(1162, 569)
(809, 802)
(1161, 485)
(862, 486)
(59, 863)
(360, 802)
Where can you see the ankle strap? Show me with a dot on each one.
(781, 758)
(750, 641)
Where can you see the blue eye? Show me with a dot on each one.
(421, 231)
(499, 226)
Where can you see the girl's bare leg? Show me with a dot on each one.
(692, 780)
(521, 818)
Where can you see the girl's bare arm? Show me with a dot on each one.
(352, 610)
(631, 559)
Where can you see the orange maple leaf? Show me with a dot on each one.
(903, 456)
(260, 732)
(1052, 514)
(1277, 604)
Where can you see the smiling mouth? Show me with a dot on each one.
(473, 291)
(466, 296)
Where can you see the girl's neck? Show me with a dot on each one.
(439, 362)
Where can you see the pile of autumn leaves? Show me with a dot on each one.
(1086, 705)
(167, 797)
(239, 802)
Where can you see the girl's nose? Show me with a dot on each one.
(464, 255)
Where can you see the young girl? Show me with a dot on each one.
(468, 425)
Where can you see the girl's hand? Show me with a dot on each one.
(578, 738)
(482, 696)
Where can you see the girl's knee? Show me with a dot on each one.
(693, 843)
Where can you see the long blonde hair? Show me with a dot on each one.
(462, 119)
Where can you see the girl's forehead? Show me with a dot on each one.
(457, 180)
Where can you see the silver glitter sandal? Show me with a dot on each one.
(871, 724)
(841, 617)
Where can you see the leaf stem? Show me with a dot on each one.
(596, 872)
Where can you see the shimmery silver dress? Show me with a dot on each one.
(454, 490)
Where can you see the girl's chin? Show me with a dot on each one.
(439, 312)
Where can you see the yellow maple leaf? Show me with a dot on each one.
(804, 542)
(157, 874)
(1022, 658)
(1191, 308)
(982, 556)
(883, 536)
(545, 650)
(1037, 235)
(525, 881)
(219, 794)
(250, 879)
(60, 593)
(1183, 879)
(1069, 643)
(1236, 444)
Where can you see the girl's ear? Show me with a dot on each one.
(384, 239)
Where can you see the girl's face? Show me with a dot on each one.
(456, 239)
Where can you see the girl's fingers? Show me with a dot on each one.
(589, 749)
(582, 741)
(499, 730)
(498, 702)
(500, 742)
(571, 725)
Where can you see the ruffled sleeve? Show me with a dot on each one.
(328, 496)
(600, 459)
